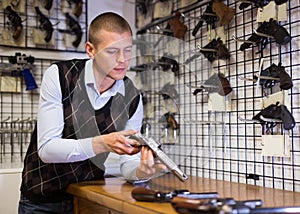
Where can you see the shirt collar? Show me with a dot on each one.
(89, 79)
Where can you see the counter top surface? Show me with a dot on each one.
(116, 193)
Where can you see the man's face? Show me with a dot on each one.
(113, 54)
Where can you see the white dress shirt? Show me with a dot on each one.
(52, 148)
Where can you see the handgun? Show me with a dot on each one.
(158, 152)
(268, 29)
(278, 32)
(220, 50)
(141, 193)
(168, 62)
(227, 205)
(259, 3)
(45, 24)
(256, 3)
(216, 83)
(75, 29)
(15, 21)
(277, 74)
(208, 16)
(21, 61)
(214, 50)
(215, 206)
(274, 112)
(253, 39)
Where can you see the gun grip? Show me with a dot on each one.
(285, 80)
(287, 118)
(29, 79)
(144, 194)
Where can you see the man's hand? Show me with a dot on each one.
(148, 165)
(117, 142)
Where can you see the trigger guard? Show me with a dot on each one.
(270, 125)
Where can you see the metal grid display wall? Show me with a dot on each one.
(18, 111)
(224, 142)
(23, 27)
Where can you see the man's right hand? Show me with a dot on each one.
(117, 142)
(148, 165)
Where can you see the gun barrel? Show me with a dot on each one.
(171, 165)
(198, 196)
(275, 210)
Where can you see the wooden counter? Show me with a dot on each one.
(113, 195)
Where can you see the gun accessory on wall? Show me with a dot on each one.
(22, 62)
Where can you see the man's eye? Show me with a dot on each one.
(111, 51)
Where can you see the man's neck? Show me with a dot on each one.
(105, 84)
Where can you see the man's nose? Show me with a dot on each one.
(120, 57)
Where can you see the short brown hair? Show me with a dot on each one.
(108, 21)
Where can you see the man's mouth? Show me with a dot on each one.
(120, 69)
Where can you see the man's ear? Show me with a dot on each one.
(90, 50)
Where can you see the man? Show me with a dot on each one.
(87, 109)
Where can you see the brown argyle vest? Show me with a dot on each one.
(47, 182)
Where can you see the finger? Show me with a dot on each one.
(132, 142)
(146, 154)
(122, 139)
(132, 150)
(135, 150)
(131, 147)
(148, 157)
(150, 154)
(143, 154)
(119, 151)
(127, 151)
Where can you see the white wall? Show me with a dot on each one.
(10, 179)
(9, 187)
